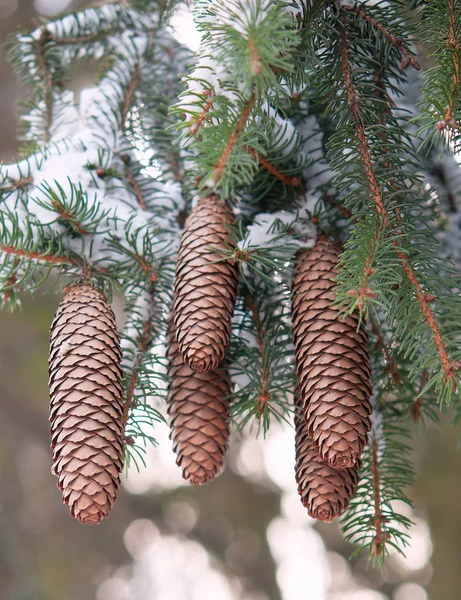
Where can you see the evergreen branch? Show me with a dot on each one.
(129, 94)
(357, 121)
(396, 41)
(263, 396)
(144, 342)
(380, 538)
(133, 182)
(47, 80)
(390, 359)
(38, 256)
(285, 179)
(453, 42)
(221, 163)
(197, 123)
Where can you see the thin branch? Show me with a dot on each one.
(288, 181)
(357, 121)
(143, 345)
(17, 185)
(454, 44)
(201, 118)
(395, 41)
(38, 256)
(71, 219)
(380, 537)
(390, 359)
(220, 165)
(129, 94)
(134, 184)
(263, 392)
(47, 80)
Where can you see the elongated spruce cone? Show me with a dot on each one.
(205, 285)
(87, 431)
(332, 359)
(324, 491)
(198, 407)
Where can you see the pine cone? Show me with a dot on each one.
(332, 360)
(87, 409)
(205, 285)
(325, 491)
(198, 407)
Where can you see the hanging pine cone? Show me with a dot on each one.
(332, 359)
(205, 285)
(87, 410)
(325, 491)
(198, 408)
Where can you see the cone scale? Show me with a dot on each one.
(86, 396)
(332, 359)
(198, 409)
(325, 492)
(205, 285)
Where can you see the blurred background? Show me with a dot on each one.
(246, 536)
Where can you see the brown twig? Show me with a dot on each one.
(395, 41)
(390, 359)
(357, 122)
(135, 185)
(47, 80)
(454, 44)
(17, 185)
(287, 180)
(47, 258)
(219, 169)
(200, 119)
(417, 406)
(263, 392)
(66, 216)
(380, 537)
(143, 344)
(129, 93)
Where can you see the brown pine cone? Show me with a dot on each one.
(198, 407)
(205, 285)
(87, 409)
(332, 358)
(325, 491)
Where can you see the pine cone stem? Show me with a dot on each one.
(332, 359)
(87, 409)
(205, 285)
(198, 408)
(325, 492)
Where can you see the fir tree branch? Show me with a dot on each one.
(221, 163)
(389, 357)
(396, 41)
(285, 179)
(357, 121)
(133, 182)
(47, 80)
(380, 538)
(143, 344)
(454, 44)
(38, 256)
(197, 123)
(263, 396)
(129, 94)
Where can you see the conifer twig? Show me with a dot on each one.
(221, 163)
(287, 180)
(364, 151)
(455, 45)
(395, 41)
(47, 258)
(263, 392)
(143, 344)
(380, 537)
